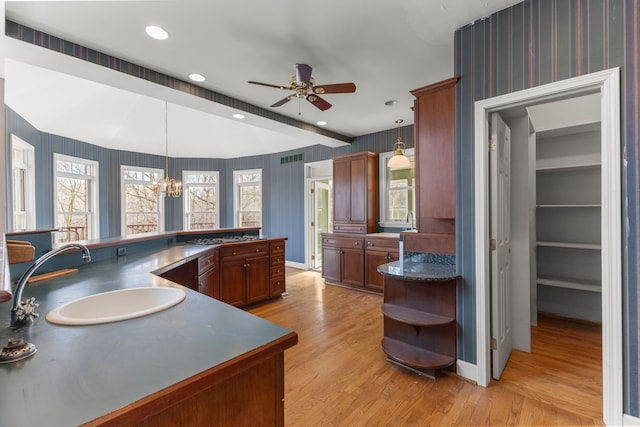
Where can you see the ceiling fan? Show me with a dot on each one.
(304, 86)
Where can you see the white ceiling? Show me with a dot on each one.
(387, 49)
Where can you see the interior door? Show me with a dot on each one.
(320, 221)
(500, 189)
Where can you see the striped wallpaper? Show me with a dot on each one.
(534, 43)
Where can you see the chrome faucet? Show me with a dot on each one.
(412, 220)
(23, 311)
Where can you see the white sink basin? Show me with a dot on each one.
(114, 306)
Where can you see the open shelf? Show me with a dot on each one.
(571, 283)
(414, 317)
(573, 205)
(415, 357)
(567, 167)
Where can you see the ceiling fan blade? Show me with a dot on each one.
(283, 101)
(320, 103)
(270, 85)
(303, 73)
(335, 88)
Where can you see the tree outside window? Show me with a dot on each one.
(248, 198)
(142, 208)
(23, 185)
(201, 200)
(75, 198)
(397, 193)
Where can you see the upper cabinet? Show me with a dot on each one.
(434, 157)
(355, 193)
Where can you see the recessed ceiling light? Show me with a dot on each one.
(238, 116)
(197, 77)
(391, 102)
(156, 32)
(321, 123)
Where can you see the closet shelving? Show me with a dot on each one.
(568, 210)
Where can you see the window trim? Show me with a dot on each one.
(383, 191)
(236, 194)
(185, 193)
(123, 197)
(93, 220)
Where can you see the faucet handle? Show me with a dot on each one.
(27, 310)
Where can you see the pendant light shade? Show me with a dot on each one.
(399, 160)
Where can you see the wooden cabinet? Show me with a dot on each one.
(420, 324)
(244, 273)
(277, 277)
(434, 157)
(343, 259)
(355, 193)
(209, 274)
(378, 250)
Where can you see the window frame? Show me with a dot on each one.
(159, 174)
(383, 192)
(236, 194)
(93, 213)
(28, 188)
(185, 194)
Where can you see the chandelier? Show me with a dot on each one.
(399, 160)
(167, 186)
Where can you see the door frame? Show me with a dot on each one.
(308, 179)
(607, 82)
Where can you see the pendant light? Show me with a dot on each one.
(399, 160)
(167, 186)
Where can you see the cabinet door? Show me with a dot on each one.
(331, 260)
(341, 191)
(352, 266)
(232, 289)
(209, 283)
(257, 279)
(373, 279)
(358, 196)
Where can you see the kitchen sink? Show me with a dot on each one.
(114, 306)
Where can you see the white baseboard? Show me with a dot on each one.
(467, 370)
(299, 265)
(628, 420)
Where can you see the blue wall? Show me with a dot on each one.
(534, 43)
(283, 184)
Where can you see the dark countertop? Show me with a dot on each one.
(80, 373)
(422, 266)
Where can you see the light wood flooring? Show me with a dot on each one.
(337, 375)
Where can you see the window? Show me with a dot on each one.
(76, 198)
(23, 185)
(397, 195)
(201, 200)
(247, 198)
(142, 211)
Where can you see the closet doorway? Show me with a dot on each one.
(605, 86)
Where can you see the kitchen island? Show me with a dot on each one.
(201, 362)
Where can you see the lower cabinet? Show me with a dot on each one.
(378, 251)
(244, 273)
(353, 261)
(343, 259)
(209, 274)
(277, 276)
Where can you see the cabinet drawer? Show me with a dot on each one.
(277, 260)
(277, 271)
(277, 286)
(244, 249)
(206, 262)
(277, 248)
(382, 243)
(342, 242)
(350, 228)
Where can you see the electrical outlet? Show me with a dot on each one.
(122, 251)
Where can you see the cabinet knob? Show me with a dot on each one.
(209, 261)
(257, 250)
(234, 253)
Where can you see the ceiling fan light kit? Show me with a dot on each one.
(304, 87)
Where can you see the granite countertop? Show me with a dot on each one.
(422, 266)
(80, 373)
